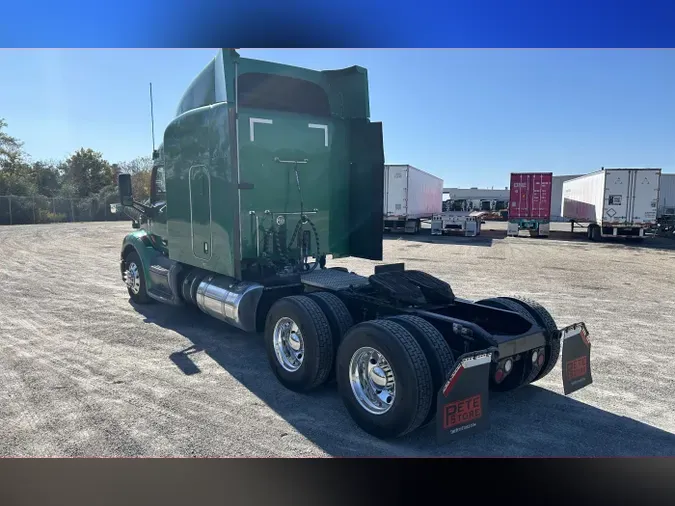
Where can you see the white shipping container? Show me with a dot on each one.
(556, 196)
(613, 197)
(666, 193)
(411, 193)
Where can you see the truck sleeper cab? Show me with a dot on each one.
(250, 195)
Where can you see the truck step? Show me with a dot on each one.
(159, 270)
(159, 277)
(161, 287)
(163, 296)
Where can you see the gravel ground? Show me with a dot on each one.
(85, 373)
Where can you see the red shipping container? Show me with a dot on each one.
(530, 197)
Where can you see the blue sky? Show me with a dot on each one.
(469, 116)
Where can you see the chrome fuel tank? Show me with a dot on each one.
(234, 302)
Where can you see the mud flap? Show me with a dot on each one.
(576, 358)
(462, 403)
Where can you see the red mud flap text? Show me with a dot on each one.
(576, 358)
(462, 403)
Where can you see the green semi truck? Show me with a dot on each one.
(265, 172)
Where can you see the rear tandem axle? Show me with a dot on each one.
(403, 350)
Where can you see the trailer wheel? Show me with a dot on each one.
(299, 343)
(384, 378)
(543, 318)
(594, 233)
(519, 375)
(135, 279)
(436, 350)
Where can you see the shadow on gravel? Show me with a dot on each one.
(648, 243)
(484, 240)
(530, 422)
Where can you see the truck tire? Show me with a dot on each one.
(135, 279)
(298, 343)
(339, 318)
(519, 376)
(436, 350)
(546, 321)
(594, 233)
(382, 353)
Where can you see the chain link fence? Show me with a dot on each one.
(31, 210)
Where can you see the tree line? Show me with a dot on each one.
(50, 190)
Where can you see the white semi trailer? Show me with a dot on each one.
(619, 202)
(410, 196)
(666, 195)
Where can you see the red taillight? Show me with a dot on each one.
(499, 375)
(540, 360)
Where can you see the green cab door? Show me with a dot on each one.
(200, 211)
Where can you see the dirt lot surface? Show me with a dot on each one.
(85, 373)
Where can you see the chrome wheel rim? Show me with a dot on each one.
(372, 380)
(132, 278)
(289, 347)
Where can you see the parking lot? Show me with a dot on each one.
(84, 372)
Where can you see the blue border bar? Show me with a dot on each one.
(349, 23)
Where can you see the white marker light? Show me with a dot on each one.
(508, 365)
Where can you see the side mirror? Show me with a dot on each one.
(126, 193)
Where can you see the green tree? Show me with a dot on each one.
(47, 177)
(16, 178)
(11, 148)
(16, 175)
(87, 172)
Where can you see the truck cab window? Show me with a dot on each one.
(158, 190)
